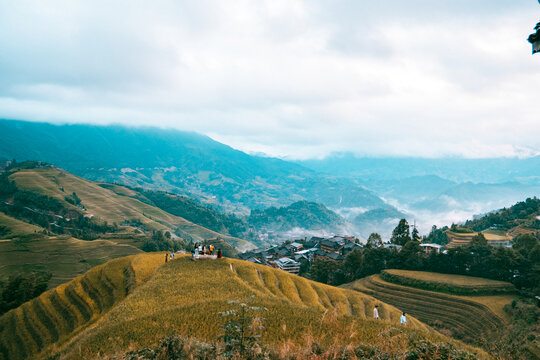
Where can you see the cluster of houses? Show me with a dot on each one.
(290, 255)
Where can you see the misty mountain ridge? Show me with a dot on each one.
(182, 163)
(456, 169)
(369, 193)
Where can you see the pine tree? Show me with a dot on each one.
(414, 234)
(401, 234)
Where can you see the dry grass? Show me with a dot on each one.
(469, 318)
(44, 324)
(92, 316)
(185, 297)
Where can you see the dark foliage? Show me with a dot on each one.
(401, 234)
(191, 210)
(523, 213)
(162, 241)
(18, 289)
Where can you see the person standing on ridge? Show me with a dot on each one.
(166, 257)
(403, 319)
(219, 254)
(376, 312)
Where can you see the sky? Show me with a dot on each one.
(296, 79)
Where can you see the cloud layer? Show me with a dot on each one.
(293, 78)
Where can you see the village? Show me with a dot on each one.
(294, 256)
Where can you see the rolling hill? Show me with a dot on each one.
(132, 302)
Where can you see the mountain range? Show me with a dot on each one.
(370, 194)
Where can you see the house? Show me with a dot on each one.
(330, 246)
(295, 246)
(431, 248)
(288, 265)
(316, 239)
(327, 255)
(339, 240)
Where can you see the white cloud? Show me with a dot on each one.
(290, 78)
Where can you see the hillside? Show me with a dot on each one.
(299, 215)
(180, 162)
(116, 207)
(42, 230)
(452, 284)
(524, 214)
(184, 297)
(470, 318)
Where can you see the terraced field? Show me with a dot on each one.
(453, 284)
(63, 256)
(137, 300)
(54, 317)
(114, 204)
(469, 320)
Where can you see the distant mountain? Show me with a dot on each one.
(494, 170)
(180, 162)
(438, 191)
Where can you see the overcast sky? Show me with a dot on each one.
(291, 78)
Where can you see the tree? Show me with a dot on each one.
(411, 256)
(478, 240)
(401, 235)
(322, 270)
(524, 243)
(374, 241)
(352, 265)
(415, 235)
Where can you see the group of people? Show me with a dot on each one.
(402, 319)
(199, 249)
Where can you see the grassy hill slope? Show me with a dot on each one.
(113, 206)
(134, 301)
(471, 319)
(16, 227)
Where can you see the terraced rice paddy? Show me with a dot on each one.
(55, 316)
(453, 284)
(137, 300)
(467, 319)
